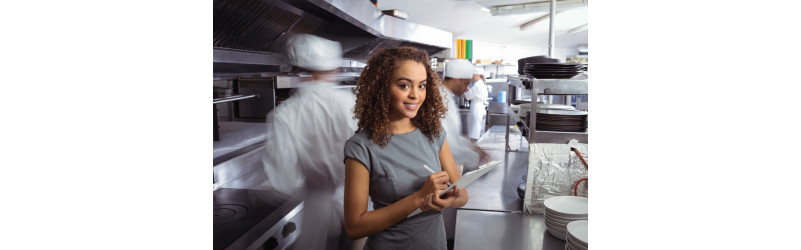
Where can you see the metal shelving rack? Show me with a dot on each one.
(498, 68)
(555, 87)
(548, 87)
(230, 112)
(510, 116)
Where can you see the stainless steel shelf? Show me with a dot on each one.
(547, 87)
(543, 136)
(516, 118)
(216, 130)
(560, 87)
(553, 86)
(556, 87)
(234, 98)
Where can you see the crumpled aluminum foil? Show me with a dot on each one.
(550, 177)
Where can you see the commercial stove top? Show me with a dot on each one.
(253, 219)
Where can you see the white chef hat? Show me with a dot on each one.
(459, 68)
(478, 71)
(314, 53)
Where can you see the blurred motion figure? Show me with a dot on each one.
(303, 152)
(458, 73)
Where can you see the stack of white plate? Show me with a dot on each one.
(577, 235)
(562, 210)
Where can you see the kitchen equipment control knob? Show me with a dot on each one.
(288, 229)
(272, 243)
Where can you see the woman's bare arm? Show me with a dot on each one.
(358, 221)
(455, 199)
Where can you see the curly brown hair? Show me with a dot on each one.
(372, 95)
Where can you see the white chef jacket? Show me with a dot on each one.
(305, 138)
(461, 148)
(304, 153)
(477, 95)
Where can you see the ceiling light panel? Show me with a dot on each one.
(537, 6)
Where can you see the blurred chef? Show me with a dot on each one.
(477, 94)
(458, 73)
(303, 152)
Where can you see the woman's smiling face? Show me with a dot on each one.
(407, 90)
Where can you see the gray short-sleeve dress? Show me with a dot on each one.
(396, 171)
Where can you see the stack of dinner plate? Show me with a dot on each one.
(561, 120)
(577, 235)
(562, 210)
(521, 64)
(553, 70)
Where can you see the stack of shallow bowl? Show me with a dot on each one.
(561, 120)
(562, 210)
(577, 235)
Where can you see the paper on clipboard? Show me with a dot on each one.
(463, 182)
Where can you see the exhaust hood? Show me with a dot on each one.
(252, 34)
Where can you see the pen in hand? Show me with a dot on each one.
(433, 172)
(419, 209)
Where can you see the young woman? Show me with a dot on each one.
(399, 138)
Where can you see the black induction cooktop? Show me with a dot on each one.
(237, 211)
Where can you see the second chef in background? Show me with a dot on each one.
(458, 74)
(477, 94)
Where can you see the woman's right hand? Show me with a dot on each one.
(434, 183)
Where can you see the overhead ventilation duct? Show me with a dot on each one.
(251, 35)
(259, 25)
(368, 48)
(370, 19)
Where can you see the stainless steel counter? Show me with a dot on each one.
(495, 138)
(493, 217)
(497, 190)
(502, 230)
(236, 135)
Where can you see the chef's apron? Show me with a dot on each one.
(475, 124)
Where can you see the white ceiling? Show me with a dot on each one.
(466, 20)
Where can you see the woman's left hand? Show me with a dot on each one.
(453, 199)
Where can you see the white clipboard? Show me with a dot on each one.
(463, 182)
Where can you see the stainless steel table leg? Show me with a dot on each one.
(216, 125)
(230, 111)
